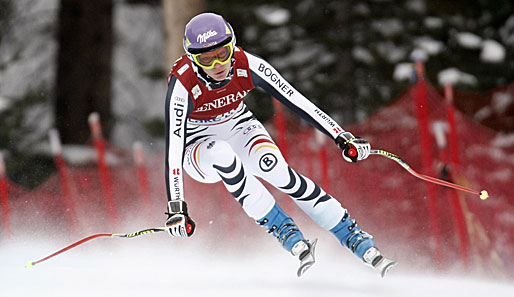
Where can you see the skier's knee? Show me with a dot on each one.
(219, 152)
(271, 166)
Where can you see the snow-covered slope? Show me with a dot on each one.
(157, 265)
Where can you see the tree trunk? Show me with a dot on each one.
(176, 15)
(83, 67)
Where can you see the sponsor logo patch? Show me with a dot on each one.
(274, 78)
(267, 162)
(252, 128)
(179, 115)
(221, 102)
(196, 91)
(183, 69)
(204, 36)
(242, 73)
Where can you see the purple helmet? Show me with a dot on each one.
(205, 32)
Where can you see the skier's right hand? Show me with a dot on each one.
(354, 148)
(179, 224)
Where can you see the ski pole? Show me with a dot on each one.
(482, 194)
(30, 264)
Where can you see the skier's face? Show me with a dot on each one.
(219, 72)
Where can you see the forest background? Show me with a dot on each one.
(60, 60)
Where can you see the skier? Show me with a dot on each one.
(213, 136)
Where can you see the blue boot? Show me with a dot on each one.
(285, 230)
(350, 235)
(283, 227)
(361, 244)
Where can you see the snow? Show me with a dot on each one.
(454, 76)
(501, 102)
(156, 265)
(483, 113)
(507, 31)
(2, 164)
(469, 40)
(273, 15)
(139, 47)
(301, 52)
(433, 22)
(361, 9)
(431, 46)
(391, 52)
(504, 140)
(501, 175)
(77, 155)
(4, 103)
(403, 71)
(31, 46)
(492, 51)
(419, 54)
(362, 54)
(387, 27)
(439, 130)
(418, 6)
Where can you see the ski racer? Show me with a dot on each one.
(212, 134)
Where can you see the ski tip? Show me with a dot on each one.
(29, 264)
(309, 260)
(313, 244)
(484, 195)
(388, 267)
(304, 268)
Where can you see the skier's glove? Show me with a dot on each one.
(179, 224)
(354, 148)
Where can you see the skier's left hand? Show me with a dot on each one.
(179, 224)
(354, 148)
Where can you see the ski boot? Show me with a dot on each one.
(305, 252)
(350, 235)
(374, 258)
(361, 244)
(290, 237)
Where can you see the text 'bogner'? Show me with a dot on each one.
(282, 85)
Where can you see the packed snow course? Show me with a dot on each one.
(158, 265)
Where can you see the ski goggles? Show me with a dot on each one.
(220, 55)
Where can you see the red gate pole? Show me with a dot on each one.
(99, 142)
(421, 110)
(459, 218)
(139, 159)
(439, 129)
(64, 178)
(4, 197)
(450, 115)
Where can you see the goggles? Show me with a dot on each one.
(220, 55)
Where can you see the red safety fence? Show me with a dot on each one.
(443, 227)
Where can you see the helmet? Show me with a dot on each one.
(206, 32)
